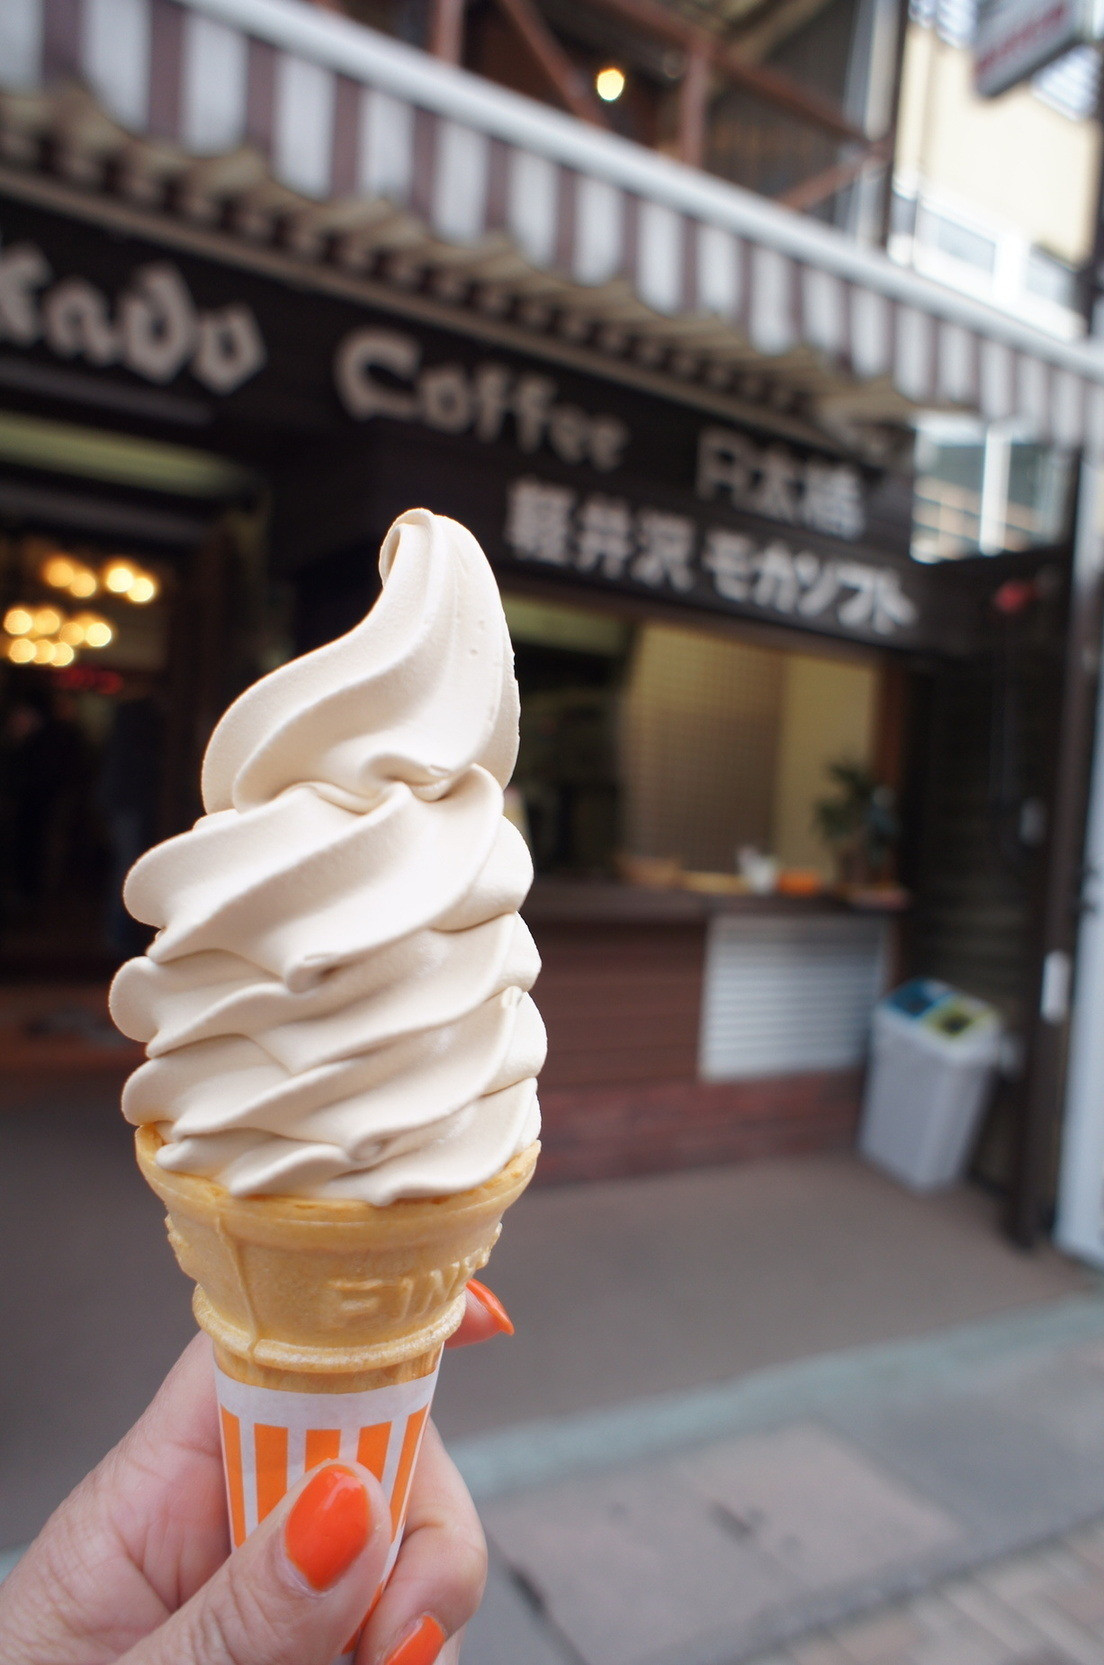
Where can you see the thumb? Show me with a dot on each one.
(296, 1591)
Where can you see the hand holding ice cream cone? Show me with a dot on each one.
(340, 1096)
(133, 1564)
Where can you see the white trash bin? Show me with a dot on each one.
(932, 1057)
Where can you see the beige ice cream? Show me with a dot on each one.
(335, 1005)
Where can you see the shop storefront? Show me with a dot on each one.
(238, 335)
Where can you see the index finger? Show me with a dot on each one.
(484, 1317)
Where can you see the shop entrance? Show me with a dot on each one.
(126, 616)
(663, 754)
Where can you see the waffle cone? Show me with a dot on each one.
(316, 1295)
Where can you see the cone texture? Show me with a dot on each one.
(318, 1295)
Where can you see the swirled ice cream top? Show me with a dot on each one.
(335, 1003)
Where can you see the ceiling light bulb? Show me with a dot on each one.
(21, 651)
(98, 634)
(609, 84)
(143, 589)
(18, 621)
(44, 652)
(63, 654)
(83, 583)
(47, 621)
(72, 632)
(118, 577)
(58, 572)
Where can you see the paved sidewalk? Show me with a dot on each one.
(1044, 1608)
(743, 1405)
(757, 1520)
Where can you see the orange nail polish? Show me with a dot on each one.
(328, 1526)
(491, 1304)
(422, 1646)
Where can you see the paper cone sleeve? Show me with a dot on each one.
(329, 1295)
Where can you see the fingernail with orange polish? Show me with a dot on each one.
(491, 1305)
(424, 1642)
(328, 1526)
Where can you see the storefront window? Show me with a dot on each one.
(644, 743)
(570, 666)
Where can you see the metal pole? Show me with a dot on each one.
(1092, 274)
(890, 139)
(446, 30)
(693, 106)
(1039, 1128)
(1080, 1221)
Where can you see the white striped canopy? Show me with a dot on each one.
(348, 146)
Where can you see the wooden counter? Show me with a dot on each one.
(601, 901)
(642, 993)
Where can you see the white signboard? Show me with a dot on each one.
(1015, 38)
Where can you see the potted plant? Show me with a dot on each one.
(859, 825)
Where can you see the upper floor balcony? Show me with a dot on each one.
(792, 99)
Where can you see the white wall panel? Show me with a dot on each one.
(784, 995)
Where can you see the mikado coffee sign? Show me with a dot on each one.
(583, 526)
(149, 325)
(561, 472)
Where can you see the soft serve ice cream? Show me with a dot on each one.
(335, 1003)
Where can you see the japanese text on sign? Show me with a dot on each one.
(608, 537)
(771, 480)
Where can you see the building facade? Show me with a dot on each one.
(268, 277)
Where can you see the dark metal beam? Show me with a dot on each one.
(655, 20)
(565, 78)
(693, 108)
(820, 186)
(445, 37)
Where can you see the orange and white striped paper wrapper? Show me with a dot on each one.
(271, 1438)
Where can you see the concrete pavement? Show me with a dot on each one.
(744, 1406)
(772, 1510)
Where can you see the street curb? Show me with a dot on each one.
(541, 1452)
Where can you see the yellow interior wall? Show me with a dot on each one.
(699, 727)
(827, 716)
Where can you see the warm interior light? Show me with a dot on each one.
(118, 576)
(18, 621)
(21, 651)
(98, 633)
(143, 589)
(59, 572)
(609, 84)
(72, 633)
(47, 621)
(44, 652)
(83, 583)
(63, 654)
